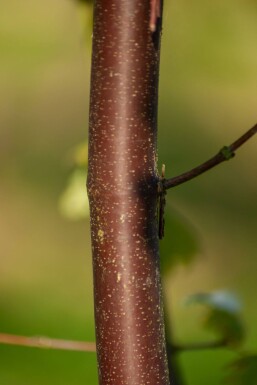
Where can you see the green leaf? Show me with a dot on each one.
(223, 315)
(73, 203)
(180, 244)
(243, 371)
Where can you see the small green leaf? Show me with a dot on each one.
(243, 371)
(73, 203)
(223, 315)
(180, 244)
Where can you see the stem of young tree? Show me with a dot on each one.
(123, 194)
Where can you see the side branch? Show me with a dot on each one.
(46, 343)
(225, 153)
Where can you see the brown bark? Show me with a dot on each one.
(122, 189)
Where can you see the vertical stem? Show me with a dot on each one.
(122, 188)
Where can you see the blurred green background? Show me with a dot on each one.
(208, 88)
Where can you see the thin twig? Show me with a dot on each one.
(198, 346)
(46, 343)
(225, 153)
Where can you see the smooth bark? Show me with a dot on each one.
(123, 194)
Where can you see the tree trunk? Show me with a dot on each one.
(123, 195)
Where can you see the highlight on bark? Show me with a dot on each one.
(154, 14)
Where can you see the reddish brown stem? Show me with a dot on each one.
(46, 343)
(122, 189)
(225, 153)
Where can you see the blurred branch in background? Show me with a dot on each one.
(46, 343)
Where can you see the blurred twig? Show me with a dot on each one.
(225, 153)
(46, 343)
(219, 344)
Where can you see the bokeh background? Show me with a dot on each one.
(208, 97)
